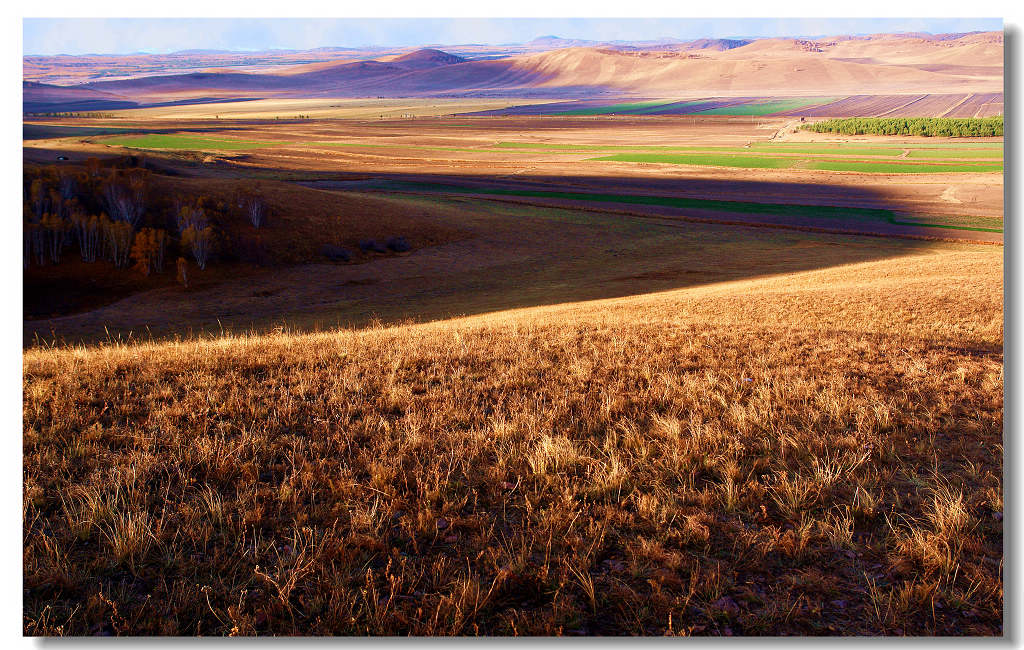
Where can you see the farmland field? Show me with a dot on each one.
(767, 107)
(775, 162)
(190, 142)
(792, 213)
(945, 105)
(429, 169)
(888, 159)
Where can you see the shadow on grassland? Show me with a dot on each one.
(802, 206)
(514, 255)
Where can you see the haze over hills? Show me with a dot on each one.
(545, 67)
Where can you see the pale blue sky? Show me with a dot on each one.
(161, 35)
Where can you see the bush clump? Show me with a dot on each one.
(367, 245)
(335, 253)
(399, 244)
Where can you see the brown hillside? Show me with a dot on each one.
(840, 65)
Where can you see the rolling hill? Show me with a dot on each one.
(887, 63)
(815, 446)
(42, 98)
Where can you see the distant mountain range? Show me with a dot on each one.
(548, 66)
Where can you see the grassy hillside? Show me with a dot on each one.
(817, 453)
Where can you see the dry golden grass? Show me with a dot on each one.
(816, 453)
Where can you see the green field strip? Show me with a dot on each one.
(780, 162)
(827, 149)
(957, 154)
(383, 146)
(155, 141)
(765, 157)
(881, 150)
(674, 105)
(750, 162)
(904, 168)
(608, 147)
(994, 224)
(891, 151)
(978, 224)
(613, 108)
(193, 143)
(766, 108)
(640, 147)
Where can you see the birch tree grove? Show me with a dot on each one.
(39, 199)
(34, 242)
(106, 213)
(87, 231)
(125, 198)
(200, 242)
(188, 216)
(160, 245)
(118, 237)
(54, 230)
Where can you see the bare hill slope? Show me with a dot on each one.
(886, 63)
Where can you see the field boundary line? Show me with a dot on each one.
(959, 103)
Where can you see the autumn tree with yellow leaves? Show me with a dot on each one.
(148, 250)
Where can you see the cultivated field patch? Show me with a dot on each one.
(188, 142)
(767, 107)
(934, 105)
(882, 158)
(841, 216)
(790, 162)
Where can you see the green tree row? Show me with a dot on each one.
(87, 114)
(955, 127)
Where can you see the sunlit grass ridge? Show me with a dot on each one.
(813, 453)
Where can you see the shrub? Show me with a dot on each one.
(367, 245)
(399, 244)
(335, 253)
